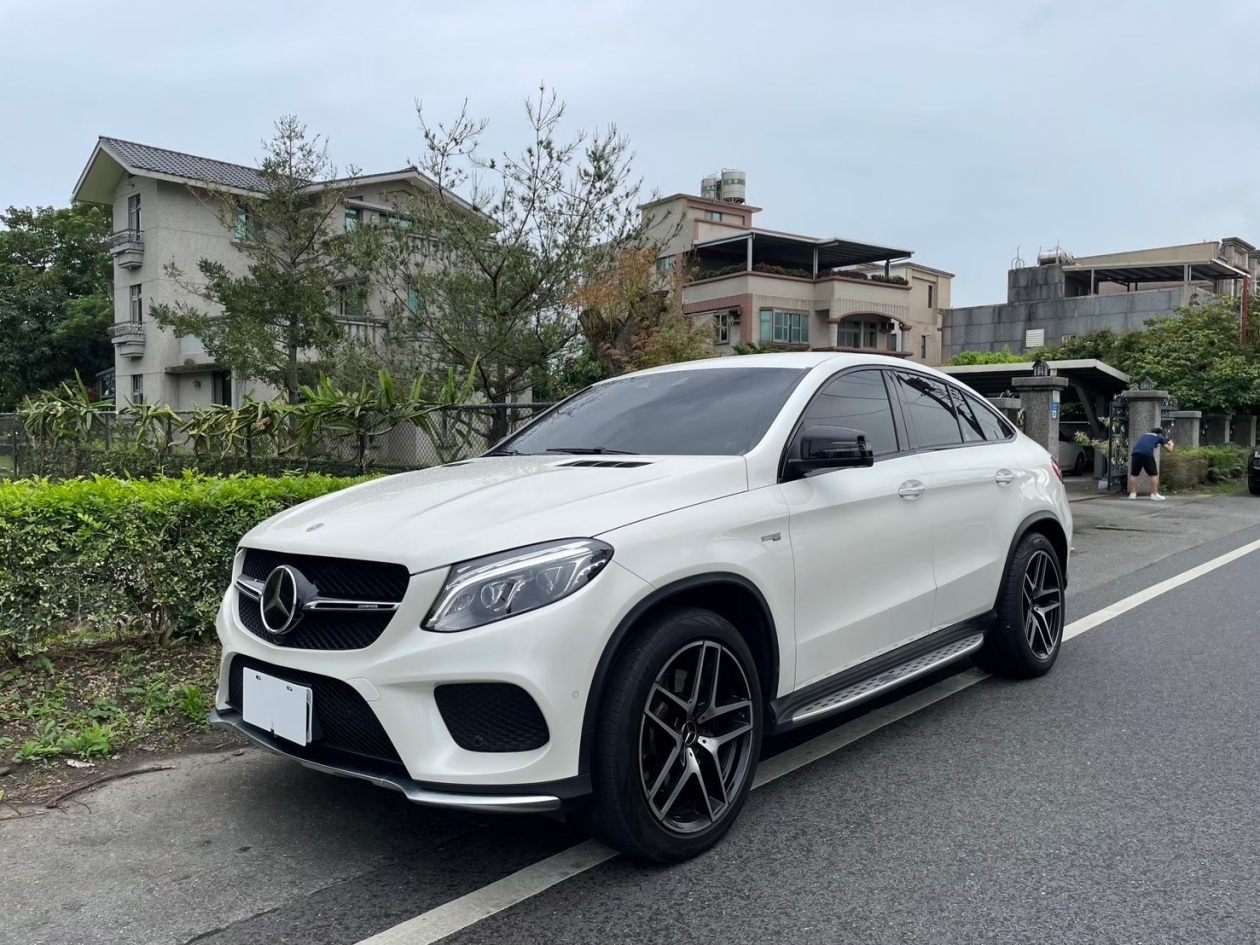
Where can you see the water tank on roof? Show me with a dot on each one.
(1055, 257)
(734, 187)
(709, 187)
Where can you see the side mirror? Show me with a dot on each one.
(823, 447)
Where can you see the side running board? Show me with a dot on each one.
(887, 671)
(874, 685)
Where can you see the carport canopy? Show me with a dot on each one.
(1091, 383)
(993, 380)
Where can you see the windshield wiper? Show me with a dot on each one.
(591, 450)
(503, 452)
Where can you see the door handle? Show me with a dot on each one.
(911, 489)
(1004, 477)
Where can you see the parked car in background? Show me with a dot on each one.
(1074, 458)
(609, 610)
(1253, 473)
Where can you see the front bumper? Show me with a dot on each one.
(550, 653)
(382, 777)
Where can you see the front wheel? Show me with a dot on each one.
(1028, 632)
(1078, 467)
(678, 736)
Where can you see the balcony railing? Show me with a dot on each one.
(127, 248)
(128, 338)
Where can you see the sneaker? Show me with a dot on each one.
(1132, 495)
(1156, 497)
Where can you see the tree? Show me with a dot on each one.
(484, 282)
(632, 315)
(277, 321)
(1199, 359)
(1196, 355)
(56, 303)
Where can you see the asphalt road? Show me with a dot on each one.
(1115, 800)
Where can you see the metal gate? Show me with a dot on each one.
(1118, 446)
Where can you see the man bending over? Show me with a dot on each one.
(1144, 461)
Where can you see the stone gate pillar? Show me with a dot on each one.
(1040, 398)
(1144, 411)
(1184, 427)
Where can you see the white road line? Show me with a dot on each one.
(1077, 627)
(482, 903)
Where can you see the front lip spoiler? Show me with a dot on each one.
(413, 790)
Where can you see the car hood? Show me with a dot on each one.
(436, 517)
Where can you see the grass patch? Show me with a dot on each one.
(94, 702)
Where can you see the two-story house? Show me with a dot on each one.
(780, 290)
(160, 217)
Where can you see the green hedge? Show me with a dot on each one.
(118, 556)
(1185, 469)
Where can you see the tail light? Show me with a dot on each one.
(1058, 470)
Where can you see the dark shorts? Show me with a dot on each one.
(1143, 463)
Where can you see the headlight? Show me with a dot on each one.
(488, 589)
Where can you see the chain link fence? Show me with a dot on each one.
(117, 446)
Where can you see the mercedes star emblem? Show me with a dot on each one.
(280, 606)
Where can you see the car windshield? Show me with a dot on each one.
(705, 412)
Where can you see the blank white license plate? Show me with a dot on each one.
(277, 706)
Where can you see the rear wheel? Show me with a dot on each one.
(678, 737)
(1078, 467)
(1028, 633)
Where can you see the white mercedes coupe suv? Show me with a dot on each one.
(609, 610)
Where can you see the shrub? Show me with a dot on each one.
(1185, 469)
(1005, 356)
(112, 556)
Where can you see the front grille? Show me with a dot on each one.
(344, 722)
(334, 577)
(491, 717)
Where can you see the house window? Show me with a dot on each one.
(858, 333)
(722, 327)
(133, 212)
(413, 300)
(221, 388)
(389, 219)
(665, 264)
(923, 347)
(246, 227)
(135, 303)
(713, 215)
(781, 327)
(350, 301)
(353, 218)
(931, 294)
(137, 388)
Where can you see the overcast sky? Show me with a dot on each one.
(961, 130)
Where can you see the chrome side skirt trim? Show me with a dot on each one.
(414, 792)
(874, 685)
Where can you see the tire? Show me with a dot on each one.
(1028, 633)
(658, 779)
(1253, 487)
(1078, 467)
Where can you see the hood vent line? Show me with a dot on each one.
(607, 463)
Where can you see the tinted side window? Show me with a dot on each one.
(972, 432)
(929, 411)
(994, 429)
(859, 401)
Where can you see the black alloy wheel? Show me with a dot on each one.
(1027, 633)
(677, 737)
(695, 736)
